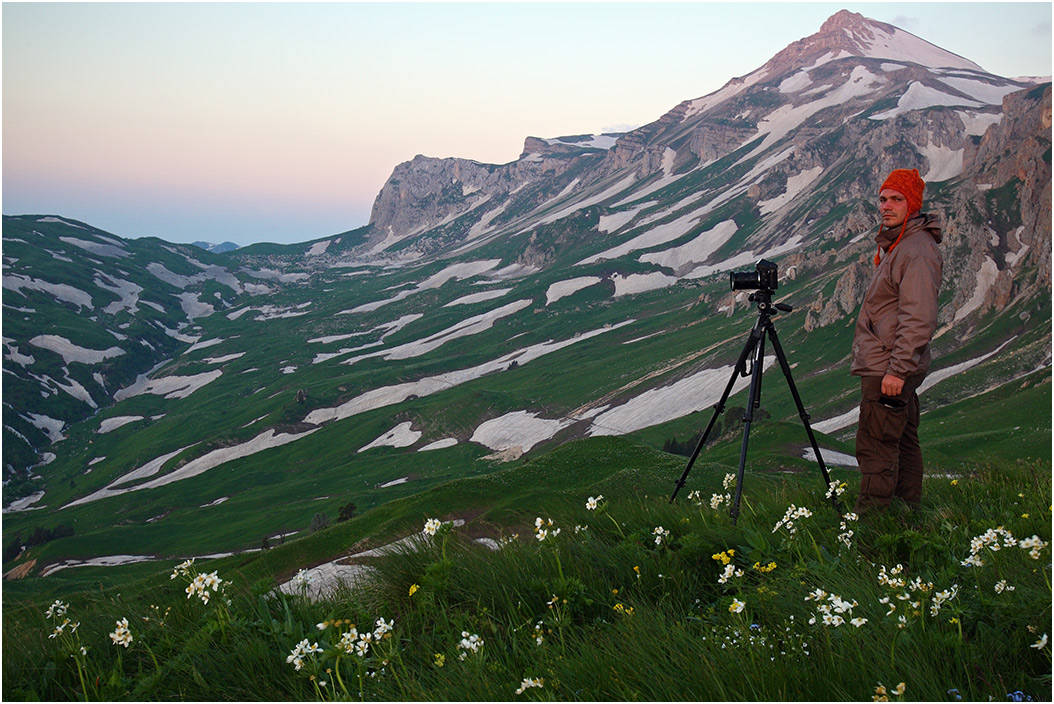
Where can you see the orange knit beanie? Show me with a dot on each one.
(908, 183)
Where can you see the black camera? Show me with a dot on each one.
(765, 276)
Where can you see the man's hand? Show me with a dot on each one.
(891, 385)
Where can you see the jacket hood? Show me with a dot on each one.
(921, 222)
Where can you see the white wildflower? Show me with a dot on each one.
(381, 628)
(730, 571)
(470, 643)
(1034, 545)
(57, 609)
(529, 682)
(793, 513)
(302, 578)
(660, 534)
(182, 569)
(121, 635)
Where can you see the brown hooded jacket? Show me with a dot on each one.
(899, 313)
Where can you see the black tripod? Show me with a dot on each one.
(755, 351)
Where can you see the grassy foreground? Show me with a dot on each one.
(600, 589)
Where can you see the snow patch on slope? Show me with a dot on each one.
(979, 89)
(904, 46)
(63, 292)
(977, 123)
(97, 248)
(73, 353)
(193, 307)
(478, 297)
(50, 218)
(944, 163)
(400, 436)
(13, 355)
(679, 399)
(170, 387)
(641, 283)
(439, 445)
(223, 359)
(25, 503)
(518, 429)
(562, 289)
(695, 252)
(795, 185)
(920, 97)
(111, 424)
(986, 277)
(126, 291)
(596, 141)
(318, 248)
(52, 427)
(614, 221)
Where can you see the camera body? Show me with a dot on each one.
(765, 276)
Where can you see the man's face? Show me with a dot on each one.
(893, 207)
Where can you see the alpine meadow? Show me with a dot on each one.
(432, 458)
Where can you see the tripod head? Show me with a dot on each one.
(763, 297)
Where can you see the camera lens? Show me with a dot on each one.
(744, 280)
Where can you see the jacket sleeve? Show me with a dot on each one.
(916, 314)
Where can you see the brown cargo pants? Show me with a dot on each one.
(887, 445)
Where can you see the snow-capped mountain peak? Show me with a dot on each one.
(847, 34)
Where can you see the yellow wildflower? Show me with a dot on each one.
(723, 557)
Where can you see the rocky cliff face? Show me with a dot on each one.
(421, 193)
(426, 193)
(999, 220)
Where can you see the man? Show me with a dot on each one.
(891, 345)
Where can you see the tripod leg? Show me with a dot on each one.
(802, 413)
(757, 333)
(753, 401)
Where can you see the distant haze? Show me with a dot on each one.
(280, 122)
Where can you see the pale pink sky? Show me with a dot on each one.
(281, 122)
